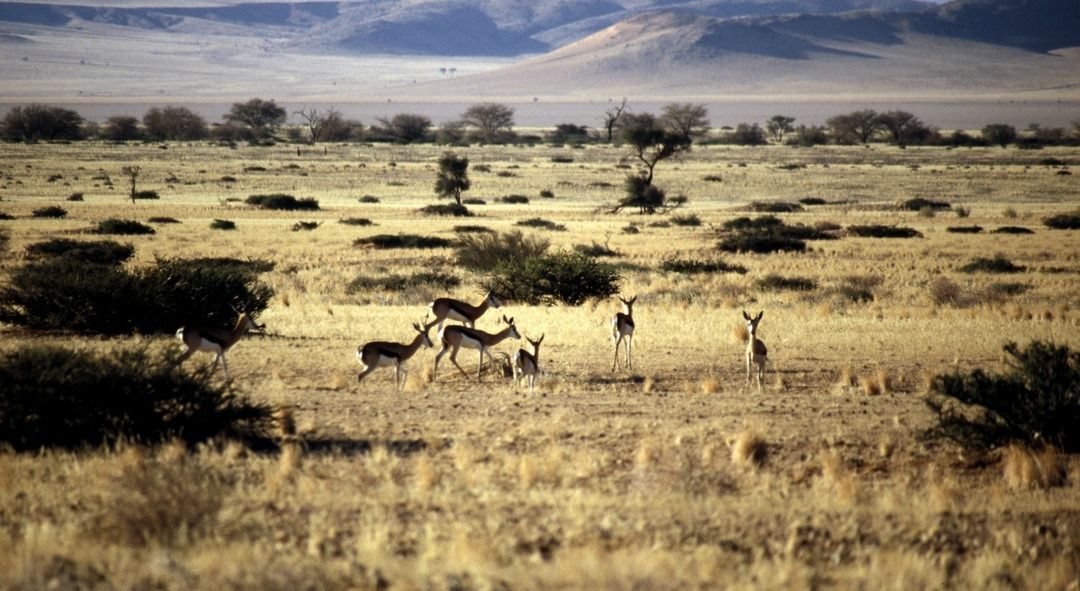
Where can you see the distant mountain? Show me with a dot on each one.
(301, 14)
(1037, 25)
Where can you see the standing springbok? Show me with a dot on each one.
(378, 354)
(622, 327)
(449, 308)
(455, 337)
(528, 364)
(756, 352)
(215, 340)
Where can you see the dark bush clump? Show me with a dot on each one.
(6, 216)
(773, 282)
(75, 197)
(698, 266)
(596, 250)
(760, 243)
(745, 223)
(486, 251)
(1036, 402)
(396, 283)
(918, 204)
(403, 241)
(857, 288)
(881, 231)
(163, 220)
(282, 201)
(547, 194)
(369, 199)
(1012, 230)
(474, 201)
(61, 398)
(447, 209)
(97, 252)
(222, 224)
(470, 229)
(713, 178)
(513, 199)
(541, 223)
(60, 294)
(52, 211)
(775, 207)
(570, 278)
(355, 222)
(964, 229)
(146, 195)
(812, 201)
(562, 159)
(998, 264)
(1063, 221)
(686, 220)
(298, 226)
(123, 227)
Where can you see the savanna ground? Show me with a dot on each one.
(599, 479)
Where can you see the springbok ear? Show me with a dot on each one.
(745, 315)
(759, 315)
(632, 300)
(541, 339)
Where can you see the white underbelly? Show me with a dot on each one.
(470, 343)
(209, 346)
(454, 315)
(385, 361)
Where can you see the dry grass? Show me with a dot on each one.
(749, 448)
(1026, 468)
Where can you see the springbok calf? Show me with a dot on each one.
(528, 364)
(449, 308)
(455, 337)
(622, 327)
(378, 354)
(756, 352)
(215, 340)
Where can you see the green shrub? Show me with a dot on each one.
(356, 222)
(775, 207)
(513, 199)
(964, 229)
(146, 195)
(773, 282)
(369, 199)
(123, 227)
(282, 201)
(1064, 221)
(52, 211)
(569, 278)
(75, 197)
(163, 220)
(447, 209)
(384, 241)
(761, 243)
(547, 194)
(218, 224)
(541, 223)
(686, 220)
(472, 229)
(474, 201)
(745, 223)
(881, 231)
(487, 251)
(1037, 401)
(998, 264)
(918, 204)
(812, 201)
(1012, 230)
(60, 294)
(698, 266)
(302, 225)
(434, 279)
(97, 252)
(61, 398)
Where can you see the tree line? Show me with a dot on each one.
(260, 121)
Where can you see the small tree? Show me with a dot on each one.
(903, 127)
(748, 134)
(453, 176)
(651, 143)
(999, 133)
(320, 122)
(406, 128)
(121, 128)
(688, 120)
(174, 123)
(490, 120)
(132, 172)
(809, 135)
(612, 117)
(778, 126)
(260, 116)
(31, 123)
(857, 126)
(568, 133)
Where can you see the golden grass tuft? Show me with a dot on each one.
(749, 448)
(1027, 469)
(739, 333)
(425, 474)
(872, 385)
(646, 454)
(648, 385)
(837, 477)
(286, 421)
(710, 384)
(847, 378)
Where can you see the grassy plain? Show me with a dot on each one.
(598, 480)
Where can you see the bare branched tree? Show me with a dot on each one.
(612, 118)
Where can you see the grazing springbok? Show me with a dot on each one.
(378, 354)
(622, 327)
(449, 308)
(528, 364)
(756, 352)
(455, 337)
(215, 340)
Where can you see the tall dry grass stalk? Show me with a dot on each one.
(740, 335)
(1026, 468)
(749, 448)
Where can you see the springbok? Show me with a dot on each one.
(528, 364)
(455, 337)
(378, 354)
(215, 340)
(756, 352)
(622, 327)
(444, 308)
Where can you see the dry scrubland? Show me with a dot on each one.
(675, 477)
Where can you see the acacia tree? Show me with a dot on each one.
(317, 121)
(612, 117)
(174, 123)
(453, 176)
(779, 125)
(260, 116)
(999, 133)
(406, 127)
(650, 142)
(34, 122)
(489, 119)
(857, 126)
(121, 128)
(902, 126)
(686, 119)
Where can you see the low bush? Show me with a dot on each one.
(713, 178)
(631, 229)
(446, 209)
(474, 201)
(487, 251)
(761, 243)
(541, 223)
(123, 227)
(562, 159)
(758, 223)
(569, 278)
(96, 252)
(857, 288)
(219, 224)
(163, 220)
(774, 282)
(356, 222)
(369, 199)
(146, 195)
(812, 201)
(998, 264)
(964, 229)
(1006, 289)
(882, 231)
(61, 294)
(1063, 221)
(945, 292)
(75, 197)
(70, 399)
(384, 241)
(6, 216)
(1036, 402)
(547, 194)
(686, 220)
(596, 250)
(918, 204)
(471, 229)
(775, 207)
(1012, 230)
(305, 226)
(513, 199)
(699, 266)
(52, 211)
(282, 201)
(4, 239)
(396, 283)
